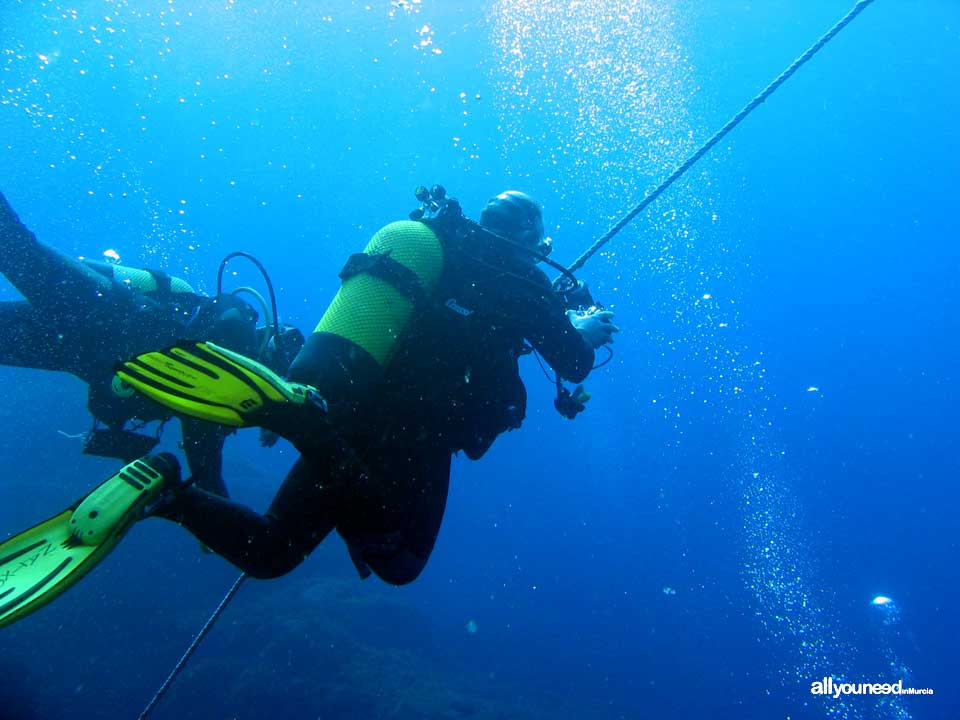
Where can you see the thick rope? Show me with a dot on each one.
(733, 122)
(193, 646)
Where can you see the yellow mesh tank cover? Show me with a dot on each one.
(369, 311)
(145, 282)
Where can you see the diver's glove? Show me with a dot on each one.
(594, 325)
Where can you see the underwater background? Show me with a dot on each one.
(773, 445)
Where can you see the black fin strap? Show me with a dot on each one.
(384, 267)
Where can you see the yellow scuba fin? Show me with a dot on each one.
(41, 563)
(208, 382)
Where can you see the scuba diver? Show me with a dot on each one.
(82, 317)
(415, 359)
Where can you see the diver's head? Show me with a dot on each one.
(516, 216)
(282, 348)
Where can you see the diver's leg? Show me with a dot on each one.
(399, 557)
(51, 281)
(101, 316)
(268, 545)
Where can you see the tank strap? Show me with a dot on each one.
(164, 283)
(384, 267)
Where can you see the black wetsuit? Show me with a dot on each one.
(78, 320)
(378, 470)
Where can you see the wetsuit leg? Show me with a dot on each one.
(101, 320)
(268, 545)
(408, 503)
(49, 280)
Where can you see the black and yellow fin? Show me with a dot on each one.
(41, 563)
(208, 382)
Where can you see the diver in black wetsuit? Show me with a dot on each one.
(82, 317)
(416, 359)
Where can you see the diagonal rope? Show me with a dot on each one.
(577, 264)
(719, 135)
(198, 638)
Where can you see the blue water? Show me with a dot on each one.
(772, 446)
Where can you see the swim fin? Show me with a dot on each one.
(41, 563)
(209, 382)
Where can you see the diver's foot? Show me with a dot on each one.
(167, 468)
(42, 562)
(123, 498)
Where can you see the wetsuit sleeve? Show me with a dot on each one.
(550, 331)
(26, 339)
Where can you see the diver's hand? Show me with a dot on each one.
(594, 325)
